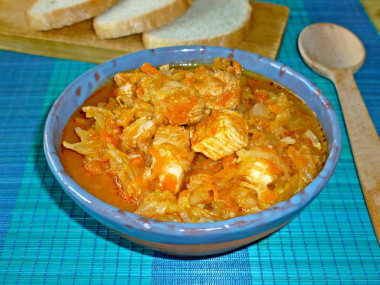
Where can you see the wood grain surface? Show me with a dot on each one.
(337, 53)
(79, 42)
(365, 142)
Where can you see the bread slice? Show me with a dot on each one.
(53, 14)
(207, 22)
(136, 16)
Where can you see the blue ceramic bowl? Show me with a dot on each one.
(183, 239)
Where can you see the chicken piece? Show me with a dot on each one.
(171, 157)
(257, 172)
(143, 109)
(126, 85)
(139, 133)
(150, 84)
(133, 77)
(124, 116)
(220, 90)
(223, 133)
(125, 94)
(261, 165)
(178, 104)
(171, 134)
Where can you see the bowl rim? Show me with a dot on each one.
(192, 233)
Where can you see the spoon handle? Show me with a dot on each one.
(365, 142)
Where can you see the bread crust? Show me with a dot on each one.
(60, 18)
(230, 39)
(143, 23)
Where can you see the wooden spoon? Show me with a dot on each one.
(336, 53)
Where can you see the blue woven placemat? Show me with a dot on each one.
(46, 238)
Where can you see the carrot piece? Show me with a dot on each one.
(253, 82)
(201, 68)
(106, 138)
(216, 193)
(261, 95)
(188, 81)
(297, 158)
(269, 198)
(138, 161)
(149, 69)
(169, 182)
(134, 188)
(274, 169)
(266, 148)
(224, 98)
(111, 124)
(274, 108)
(237, 68)
(106, 157)
(140, 92)
(229, 161)
(268, 102)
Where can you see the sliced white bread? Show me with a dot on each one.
(53, 14)
(207, 22)
(136, 16)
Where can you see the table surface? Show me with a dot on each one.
(46, 238)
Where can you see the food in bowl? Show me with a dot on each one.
(193, 144)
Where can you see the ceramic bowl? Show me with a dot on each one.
(185, 239)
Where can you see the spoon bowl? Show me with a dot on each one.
(326, 46)
(336, 53)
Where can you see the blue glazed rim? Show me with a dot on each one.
(186, 233)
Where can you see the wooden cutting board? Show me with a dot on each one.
(79, 42)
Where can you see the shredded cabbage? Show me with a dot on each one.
(201, 144)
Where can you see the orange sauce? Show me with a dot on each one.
(102, 186)
(107, 187)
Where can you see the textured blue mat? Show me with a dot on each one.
(46, 238)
